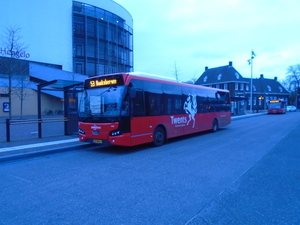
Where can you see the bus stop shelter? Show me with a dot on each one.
(70, 91)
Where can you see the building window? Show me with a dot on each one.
(79, 50)
(267, 99)
(236, 86)
(103, 42)
(247, 87)
(79, 68)
(226, 86)
(219, 76)
(218, 86)
(241, 87)
(254, 100)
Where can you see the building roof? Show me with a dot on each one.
(45, 73)
(219, 75)
(40, 74)
(27, 84)
(266, 86)
(228, 74)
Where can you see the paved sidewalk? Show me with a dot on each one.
(35, 146)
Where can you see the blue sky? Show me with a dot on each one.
(195, 33)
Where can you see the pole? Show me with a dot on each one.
(39, 104)
(8, 130)
(39, 112)
(251, 101)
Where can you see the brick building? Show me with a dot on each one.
(227, 77)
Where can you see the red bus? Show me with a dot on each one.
(276, 106)
(129, 109)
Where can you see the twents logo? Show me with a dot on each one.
(190, 107)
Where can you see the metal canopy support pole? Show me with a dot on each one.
(8, 130)
(39, 103)
(39, 112)
(66, 108)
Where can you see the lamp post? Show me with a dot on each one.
(250, 61)
(251, 94)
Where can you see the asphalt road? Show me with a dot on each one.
(247, 173)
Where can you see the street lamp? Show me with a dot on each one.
(250, 61)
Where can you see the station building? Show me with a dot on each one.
(80, 38)
(227, 77)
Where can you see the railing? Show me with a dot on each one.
(10, 122)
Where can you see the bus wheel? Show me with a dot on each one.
(159, 136)
(215, 126)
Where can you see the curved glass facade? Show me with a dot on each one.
(102, 41)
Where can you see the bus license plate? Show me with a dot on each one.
(97, 141)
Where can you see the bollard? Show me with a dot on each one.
(8, 130)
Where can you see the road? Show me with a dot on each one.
(234, 176)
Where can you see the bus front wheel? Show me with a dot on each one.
(159, 136)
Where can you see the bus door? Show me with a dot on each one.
(141, 130)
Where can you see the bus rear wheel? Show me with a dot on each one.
(159, 136)
(215, 125)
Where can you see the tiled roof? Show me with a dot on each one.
(267, 86)
(228, 74)
(223, 74)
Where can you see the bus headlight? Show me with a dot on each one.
(115, 133)
(80, 131)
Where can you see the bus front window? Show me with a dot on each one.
(274, 105)
(101, 104)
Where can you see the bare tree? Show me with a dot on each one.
(176, 72)
(192, 80)
(13, 49)
(292, 82)
(20, 91)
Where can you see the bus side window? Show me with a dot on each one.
(138, 106)
(153, 104)
(168, 105)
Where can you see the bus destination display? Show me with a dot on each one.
(274, 101)
(103, 82)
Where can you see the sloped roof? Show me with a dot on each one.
(48, 74)
(267, 86)
(27, 84)
(222, 74)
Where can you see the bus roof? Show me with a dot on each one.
(169, 80)
(159, 78)
(150, 75)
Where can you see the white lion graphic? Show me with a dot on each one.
(190, 107)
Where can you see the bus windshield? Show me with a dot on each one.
(103, 104)
(275, 105)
